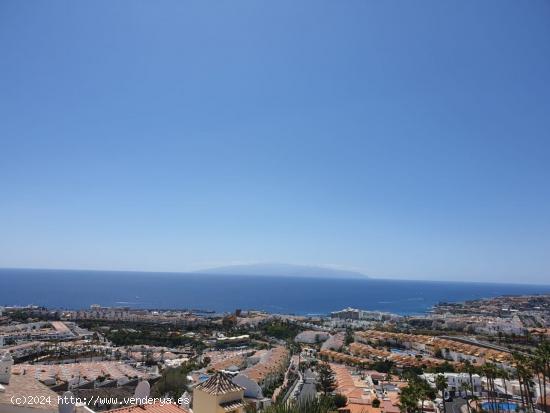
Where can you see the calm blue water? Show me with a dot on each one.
(80, 289)
(502, 406)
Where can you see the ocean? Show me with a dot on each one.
(75, 289)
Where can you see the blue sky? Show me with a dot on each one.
(401, 139)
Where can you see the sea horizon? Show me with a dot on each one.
(200, 272)
(78, 289)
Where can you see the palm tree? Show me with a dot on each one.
(490, 371)
(504, 375)
(408, 399)
(542, 367)
(441, 385)
(464, 387)
(486, 371)
(469, 368)
(524, 374)
(423, 390)
(475, 399)
(517, 359)
(321, 405)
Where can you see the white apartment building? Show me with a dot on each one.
(455, 383)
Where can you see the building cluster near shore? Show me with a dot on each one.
(252, 359)
(37, 331)
(97, 312)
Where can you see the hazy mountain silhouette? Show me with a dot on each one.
(283, 270)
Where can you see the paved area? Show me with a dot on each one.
(455, 406)
(309, 389)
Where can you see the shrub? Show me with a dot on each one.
(340, 400)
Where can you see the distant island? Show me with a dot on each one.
(283, 270)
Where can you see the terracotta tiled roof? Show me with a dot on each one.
(86, 370)
(219, 383)
(359, 408)
(150, 408)
(389, 407)
(24, 386)
(232, 405)
(437, 342)
(270, 361)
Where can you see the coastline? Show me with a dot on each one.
(80, 289)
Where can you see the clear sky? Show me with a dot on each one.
(402, 139)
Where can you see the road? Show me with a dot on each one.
(455, 405)
(471, 341)
(309, 389)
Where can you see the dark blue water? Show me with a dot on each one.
(79, 289)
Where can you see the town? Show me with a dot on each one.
(489, 355)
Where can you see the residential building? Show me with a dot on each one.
(456, 383)
(218, 394)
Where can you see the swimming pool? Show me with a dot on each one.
(502, 406)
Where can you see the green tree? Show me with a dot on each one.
(326, 380)
(317, 405)
(465, 387)
(173, 382)
(425, 392)
(469, 368)
(340, 400)
(408, 400)
(441, 385)
(542, 368)
(524, 373)
(349, 337)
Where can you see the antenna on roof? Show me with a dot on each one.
(142, 392)
(67, 403)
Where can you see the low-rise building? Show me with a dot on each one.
(457, 383)
(218, 394)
